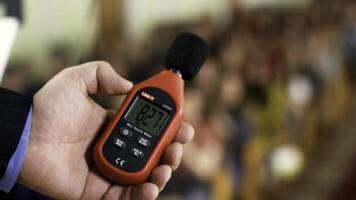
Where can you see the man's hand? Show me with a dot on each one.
(65, 124)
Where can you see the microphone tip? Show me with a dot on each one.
(187, 54)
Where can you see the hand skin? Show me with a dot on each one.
(65, 123)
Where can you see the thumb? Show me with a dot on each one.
(100, 76)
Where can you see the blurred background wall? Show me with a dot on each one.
(273, 107)
(50, 23)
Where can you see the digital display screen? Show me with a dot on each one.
(146, 116)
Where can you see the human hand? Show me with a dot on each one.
(65, 124)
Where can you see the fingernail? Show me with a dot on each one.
(128, 83)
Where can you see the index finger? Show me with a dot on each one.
(185, 133)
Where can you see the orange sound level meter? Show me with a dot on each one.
(151, 114)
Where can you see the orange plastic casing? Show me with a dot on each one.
(172, 85)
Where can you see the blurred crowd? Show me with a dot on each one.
(276, 81)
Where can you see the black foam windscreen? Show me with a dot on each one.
(187, 54)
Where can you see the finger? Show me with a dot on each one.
(99, 76)
(96, 185)
(114, 192)
(173, 155)
(160, 176)
(185, 134)
(146, 190)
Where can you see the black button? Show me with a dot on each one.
(126, 132)
(136, 152)
(143, 141)
(119, 143)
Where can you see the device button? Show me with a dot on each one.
(136, 152)
(143, 141)
(119, 143)
(126, 132)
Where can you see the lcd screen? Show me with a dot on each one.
(147, 116)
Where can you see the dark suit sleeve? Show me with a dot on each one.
(14, 108)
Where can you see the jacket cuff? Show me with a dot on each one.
(14, 109)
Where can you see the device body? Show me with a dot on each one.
(147, 121)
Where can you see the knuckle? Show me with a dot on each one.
(103, 63)
(67, 71)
